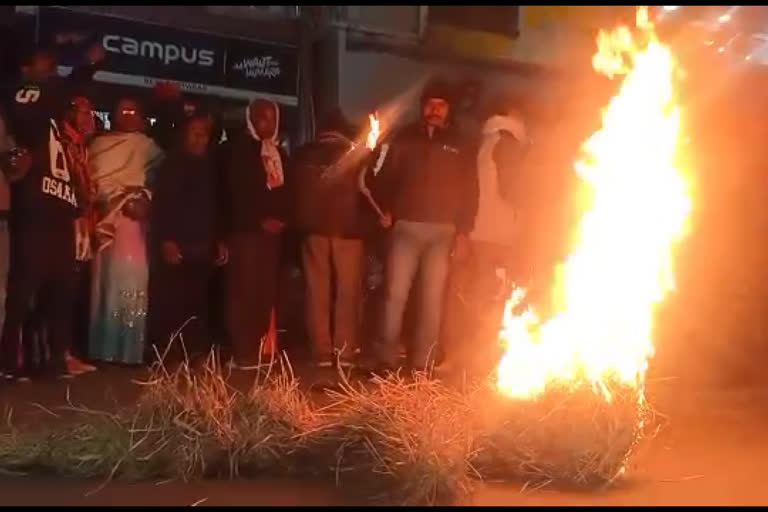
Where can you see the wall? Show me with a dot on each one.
(370, 80)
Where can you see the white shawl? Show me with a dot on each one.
(270, 156)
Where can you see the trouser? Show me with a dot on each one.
(324, 259)
(81, 309)
(5, 262)
(42, 276)
(178, 309)
(478, 291)
(417, 249)
(252, 278)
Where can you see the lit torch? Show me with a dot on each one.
(374, 133)
(371, 142)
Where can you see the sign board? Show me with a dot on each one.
(141, 54)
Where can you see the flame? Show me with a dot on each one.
(374, 133)
(621, 265)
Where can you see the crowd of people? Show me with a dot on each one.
(134, 221)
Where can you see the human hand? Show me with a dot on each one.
(272, 226)
(18, 163)
(461, 248)
(222, 254)
(171, 253)
(386, 220)
(136, 209)
(96, 53)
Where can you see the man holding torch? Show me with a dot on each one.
(426, 188)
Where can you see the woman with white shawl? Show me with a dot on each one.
(121, 163)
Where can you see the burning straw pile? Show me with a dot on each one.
(569, 438)
(392, 440)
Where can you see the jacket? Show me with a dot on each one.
(431, 180)
(326, 197)
(245, 184)
(185, 205)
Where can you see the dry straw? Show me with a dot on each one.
(394, 440)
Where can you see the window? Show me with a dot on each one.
(253, 11)
(388, 19)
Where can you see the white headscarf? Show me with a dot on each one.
(270, 156)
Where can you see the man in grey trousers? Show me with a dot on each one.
(428, 185)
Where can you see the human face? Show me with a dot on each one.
(435, 112)
(128, 116)
(42, 66)
(264, 119)
(81, 116)
(197, 136)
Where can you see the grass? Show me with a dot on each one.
(393, 440)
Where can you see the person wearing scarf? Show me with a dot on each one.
(329, 212)
(258, 203)
(480, 285)
(121, 164)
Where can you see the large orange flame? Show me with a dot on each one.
(621, 264)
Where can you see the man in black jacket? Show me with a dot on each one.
(328, 212)
(428, 186)
(258, 206)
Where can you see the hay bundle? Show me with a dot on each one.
(399, 441)
(186, 425)
(567, 437)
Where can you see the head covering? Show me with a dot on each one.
(438, 88)
(270, 156)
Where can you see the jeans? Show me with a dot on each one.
(417, 249)
(333, 264)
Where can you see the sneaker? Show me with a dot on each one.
(76, 367)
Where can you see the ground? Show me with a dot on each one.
(711, 450)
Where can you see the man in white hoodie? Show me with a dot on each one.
(481, 284)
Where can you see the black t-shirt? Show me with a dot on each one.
(45, 200)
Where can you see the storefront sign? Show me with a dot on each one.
(142, 54)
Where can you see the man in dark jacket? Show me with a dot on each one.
(258, 203)
(428, 185)
(328, 212)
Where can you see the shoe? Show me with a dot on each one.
(347, 363)
(324, 364)
(76, 367)
(21, 379)
(232, 365)
(65, 376)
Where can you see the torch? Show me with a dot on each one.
(371, 142)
